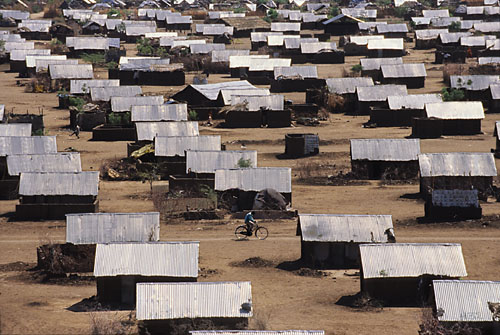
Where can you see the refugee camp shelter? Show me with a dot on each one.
(402, 273)
(15, 129)
(162, 306)
(105, 94)
(53, 195)
(165, 112)
(254, 111)
(245, 183)
(456, 117)
(370, 67)
(257, 332)
(84, 86)
(119, 267)
(206, 95)
(467, 301)
(387, 47)
(147, 131)
(376, 96)
(402, 109)
(296, 79)
(96, 228)
(457, 170)
(411, 75)
(67, 72)
(204, 162)
(385, 158)
(346, 88)
(300, 145)
(453, 205)
(332, 240)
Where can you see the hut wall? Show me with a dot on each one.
(425, 44)
(173, 78)
(291, 85)
(454, 55)
(309, 109)
(365, 169)
(36, 121)
(244, 200)
(334, 57)
(160, 327)
(394, 118)
(18, 66)
(422, 127)
(277, 119)
(414, 82)
(122, 289)
(334, 255)
(461, 127)
(383, 53)
(189, 183)
(353, 49)
(243, 119)
(343, 28)
(451, 213)
(260, 77)
(363, 107)
(53, 211)
(481, 184)
(86, 121)
(296, 145)
(113, 133)
(376, 75)
(9, 188)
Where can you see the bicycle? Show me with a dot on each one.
(242, 232)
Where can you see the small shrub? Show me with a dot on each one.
(452, 94)
(239, 10)
(272, 14)
(334, 11)
(192, 115)
(105, 325)
(94, 58)
(51, 12)
(112, 65)
(114, 13)
(76, 102)
(400, 11)
(357, 68)
(244, 163)
(119, 119)
(430, 325)
(454, 26)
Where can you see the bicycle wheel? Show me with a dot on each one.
(261, 233)
(241, 232)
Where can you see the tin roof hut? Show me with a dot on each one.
(457, 117)
(411, 75)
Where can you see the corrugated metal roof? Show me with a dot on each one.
(285, 26)
(209, 161)
(455, 110)
(475, 41)
(243, 61)
(422, 21)
(83, 86)
(219, 56)
(2, 111)
(87, 43)
(25, 145)
(294, 43)
(64, 71)
(57, 183)
(488, 60)
(370, 64)
(443, 21)
(360, 13)
(54, 162)
(487, 27)
(273, 102)
(369, 25)
(259, 332)
(227, 95)
(448, 38)
(254, 179)
(200, 26)
(455, 198)
(124, 104)
(161, 301)
(385, 149)
(392, 28)
(363, 40)
(412, 101)
(345, 228)
(169, 259)
(403, 71)
(15, 14)
(474, 82)
(279, 40)
(268, 64)
(10, 46)
(159, 34)
(457, 164)
(347, 85)
(296, 72)
(147, 131)
(12, 38)
(41, 26)
(20, 55)
(206, 48)
(379, 92)
(386, 44)
(475, 10)
(179, 42)
(211, 91)
(175, 19)
(219, 30)
(31, 59)
(465, 300)
(403, 260)
(436, 13)
(429, 34)
(15, 129)
(495, 91)
(170, 146)
(316, 47)
(105, 93)
(126, 60)
(42, 65)
(166, 112)
(262, 36)
(137, 63)
(138, 30)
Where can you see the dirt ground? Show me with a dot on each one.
(282, 298)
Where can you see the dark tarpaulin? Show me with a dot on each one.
(269, 199)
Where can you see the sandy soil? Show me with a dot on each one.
(283, 298)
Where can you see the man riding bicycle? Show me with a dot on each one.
(249, 222)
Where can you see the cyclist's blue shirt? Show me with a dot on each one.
(249, 218)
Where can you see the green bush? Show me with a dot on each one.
(454, 26)
(94, 58)
(112, 65)
(244, 163)
(239, 10)
(452, 94)
(114, 13)
(272, 14)
(192, 115)
(116, 119)
(76, 102)
(334, 11)
(400, 11)
(357, 68)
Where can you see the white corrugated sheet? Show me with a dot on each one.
(412, 101)
(268, 64)
(347, 85)
(63, 71)
(147, 131)
(316, 47)
(20, 55)
(124, 104)
(455, 110)
(31, 59)
(165, 112)
(369, 64)
(84, 86)
(403, 70)
(57, 162)
(222, 56)
(163, 301)
(106, 93)
(211, 91)
(10, 46)
(465, 300)
(379, 92)
(386, 44)
(455, 198)
(94, 228)
(404, 260)
(273, 102)
(279, 40)
(210, 161)
(254, 179)
(285, 26)
(258, 332)
(81, 183)
(170, 146)
(457, 164)
(296, 72)
(25, 145)
(169, 259)
(15, 129)
(345, 228)
(363, 39)
(243, 61)
(257, 37)
(42, 65)
(385, 149)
